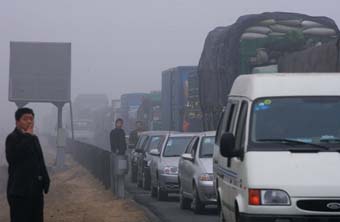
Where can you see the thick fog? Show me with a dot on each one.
(122, 46)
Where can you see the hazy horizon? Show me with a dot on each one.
(122, 46)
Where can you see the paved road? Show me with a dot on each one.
(169, 211)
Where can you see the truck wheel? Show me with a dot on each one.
(197, 204)
(184, 203)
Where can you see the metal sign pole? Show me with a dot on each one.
(71, 115)
(61, 139)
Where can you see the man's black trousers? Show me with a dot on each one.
(26, 209)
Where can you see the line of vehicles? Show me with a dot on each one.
(274, 157)
(167, 162)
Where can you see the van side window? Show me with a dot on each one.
(241, 126)
(227, 121)
(219, 127)
(228, 128)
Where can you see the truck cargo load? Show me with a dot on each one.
(253, 44)
(323, 58)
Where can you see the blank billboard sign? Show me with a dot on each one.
(40, 72)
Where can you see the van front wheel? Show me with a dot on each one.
(237, 215)
(222, 218)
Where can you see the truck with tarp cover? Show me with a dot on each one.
(149, 112)
(193, 112)
(175, 94)
(254, 44)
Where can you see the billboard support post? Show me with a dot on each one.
(61, 138)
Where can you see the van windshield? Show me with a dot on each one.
(307, 120)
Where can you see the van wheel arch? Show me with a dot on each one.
(237, 212)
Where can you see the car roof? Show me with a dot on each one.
(286, 84)
(208, 133)
(177, 134)
(155, 133)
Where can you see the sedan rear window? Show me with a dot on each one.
(207, 147)
(176, 146)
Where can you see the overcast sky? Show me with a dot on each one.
(122, 46)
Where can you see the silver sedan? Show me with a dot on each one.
(164, 165)
(196, 173)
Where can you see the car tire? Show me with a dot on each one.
(161, 195)
(153, 192)
(133, 174)
(184, 202)
(139, 181)
(197, 205)
(145, 182)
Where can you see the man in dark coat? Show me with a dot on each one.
(117, 138)
(28, 177)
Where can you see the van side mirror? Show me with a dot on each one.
(227, 145)
(155, 152)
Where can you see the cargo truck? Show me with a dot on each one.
(175, 93)
(254, 44)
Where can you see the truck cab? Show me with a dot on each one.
(277, 149)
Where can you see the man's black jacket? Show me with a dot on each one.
(27, 170)
(117, 140)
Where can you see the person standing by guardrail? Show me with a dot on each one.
(28, 176)
(118, 158)
(117, 138)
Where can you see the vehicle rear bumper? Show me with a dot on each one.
(287, 218)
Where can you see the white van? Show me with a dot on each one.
(277, 152)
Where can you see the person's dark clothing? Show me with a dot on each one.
(118, 142)
(26, 209)
(28, 177)
(133, 138)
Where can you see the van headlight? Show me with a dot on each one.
(268, 197)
